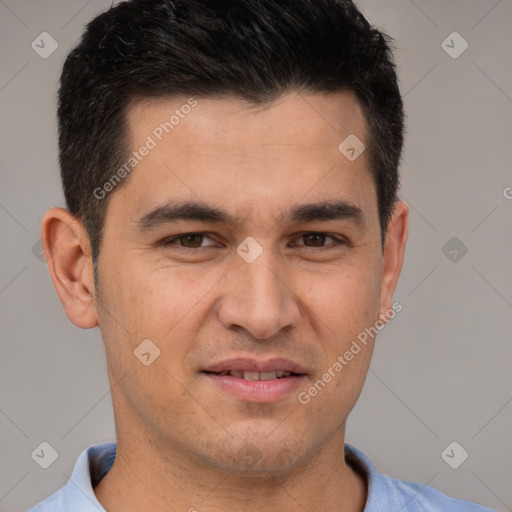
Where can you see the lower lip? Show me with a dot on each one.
(257, 390)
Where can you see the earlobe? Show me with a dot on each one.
(68, 256)
(394, 251)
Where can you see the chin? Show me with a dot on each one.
(256, 455)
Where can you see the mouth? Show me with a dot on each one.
(250, 375)
(250, 380)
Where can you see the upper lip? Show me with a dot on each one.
(253, 365)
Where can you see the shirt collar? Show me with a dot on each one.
(92, 464)
(95, 462)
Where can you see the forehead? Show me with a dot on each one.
(249, 158)
(216, 122)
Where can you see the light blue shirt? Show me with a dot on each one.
(385, 494)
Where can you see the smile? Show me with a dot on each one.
(250, 375)
(261, 387)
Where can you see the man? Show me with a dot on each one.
(233, 228)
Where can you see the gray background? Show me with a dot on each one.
(441, 370)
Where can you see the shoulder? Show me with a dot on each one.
(54, 503)
(77, 495)
(386, 493)
(416, 497)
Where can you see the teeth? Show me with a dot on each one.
(251, 375)
(242, 374)
(247, 375)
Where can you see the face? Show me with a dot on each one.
(250, 278)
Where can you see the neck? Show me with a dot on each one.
(148, 476)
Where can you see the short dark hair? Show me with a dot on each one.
(255, 50)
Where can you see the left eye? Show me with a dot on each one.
(318, 239)
(189, 240)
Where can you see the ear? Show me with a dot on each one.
(68, 256)
(393, 257)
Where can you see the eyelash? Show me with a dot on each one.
(337, 241)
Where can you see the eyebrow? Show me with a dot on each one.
(193, 211)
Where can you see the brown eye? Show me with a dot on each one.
(316, 239)
(187, 241)
(191, 241)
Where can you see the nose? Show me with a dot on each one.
(258, 298)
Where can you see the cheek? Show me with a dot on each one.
(165, 303)
(348, 308)
(345, 301)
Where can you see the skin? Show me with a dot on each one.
(180, 437)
